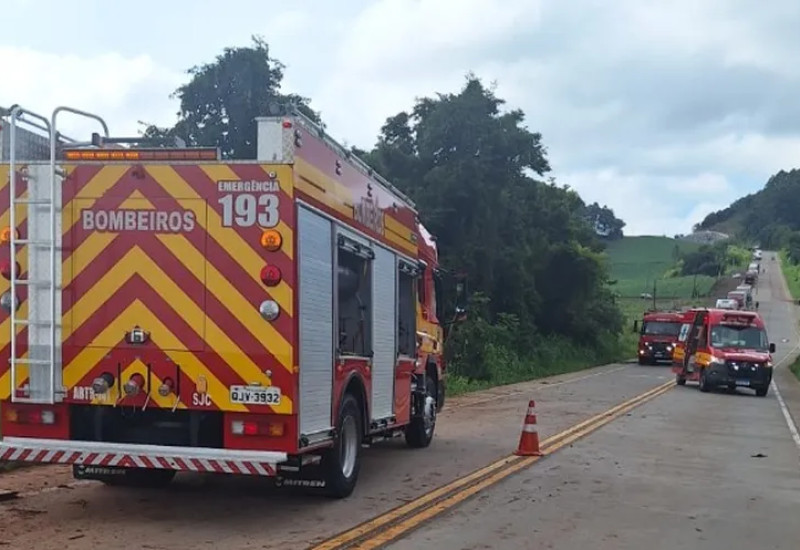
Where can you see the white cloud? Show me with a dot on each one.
(661, 110)
(122, 90)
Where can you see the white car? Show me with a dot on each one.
(727, 303)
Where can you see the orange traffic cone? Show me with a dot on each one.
(529, 440)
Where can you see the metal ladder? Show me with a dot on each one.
(44, 263)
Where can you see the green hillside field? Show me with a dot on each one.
(636, 262)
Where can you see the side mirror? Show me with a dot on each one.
(772, 348)
(635, 326)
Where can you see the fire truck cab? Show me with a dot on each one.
(724, 348)
(657, 336)
(165, 310)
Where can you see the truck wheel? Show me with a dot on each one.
(642, 361)
(419, 432)
(762, 392)
(140, 477)
(680, 380)
(342, 462)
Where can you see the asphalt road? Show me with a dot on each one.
(685, 470)
(643, 477)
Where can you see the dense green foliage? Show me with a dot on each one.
(526, 244)
(219, 104)
(769, 217)
(533, 250)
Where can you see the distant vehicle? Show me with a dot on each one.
(757, 255)
(723, 348)
(751, 277)
(727, 303)
(740, 297)
(754, 267)
(657, 337)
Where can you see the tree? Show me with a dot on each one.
(218, 106)
(604, 222)
(526, 244)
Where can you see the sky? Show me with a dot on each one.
(662, 110)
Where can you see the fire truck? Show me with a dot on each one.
(724, 348)
(657, 336)
(165, 310)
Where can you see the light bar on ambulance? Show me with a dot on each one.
(110, 155)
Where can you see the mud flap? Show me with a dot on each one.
(98, 473)
(309, 477)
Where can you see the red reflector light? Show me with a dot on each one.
(5, 270)
(250, 428)
(270, 275)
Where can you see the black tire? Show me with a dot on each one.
(144, 477)
(680, 380)
(762, 392)
(419, 432)
(703, 386)
(642, 361)
(342, 463)
(441, 388)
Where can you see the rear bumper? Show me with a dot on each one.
(190, 459)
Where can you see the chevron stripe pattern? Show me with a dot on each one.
(177, 267)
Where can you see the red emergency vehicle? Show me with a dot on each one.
(172, 311)
(657, 336)
(724, 348)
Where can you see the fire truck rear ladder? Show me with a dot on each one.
(43, 242)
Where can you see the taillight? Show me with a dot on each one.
(5, 235)
(271, 240)
(166, 387)
(9, 300)
(103, 383)
(134, 385)
(269, 310)
(5, 269)
(271, 275)
(42, 416)
(252, 427)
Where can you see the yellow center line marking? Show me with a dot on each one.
(375, 533)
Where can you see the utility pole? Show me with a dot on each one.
(654, 293)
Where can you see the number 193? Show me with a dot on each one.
(246, 210)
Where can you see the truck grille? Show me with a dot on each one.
(747, 370)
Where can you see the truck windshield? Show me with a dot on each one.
(726, 336)
(661, 328)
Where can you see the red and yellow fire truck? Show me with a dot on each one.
(657, 336)
(724, 348)
(172, 311)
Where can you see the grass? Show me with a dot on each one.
(553, 356)
(636, 263)
(791, 273)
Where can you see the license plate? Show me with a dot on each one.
(743, 382)
(255, 395)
